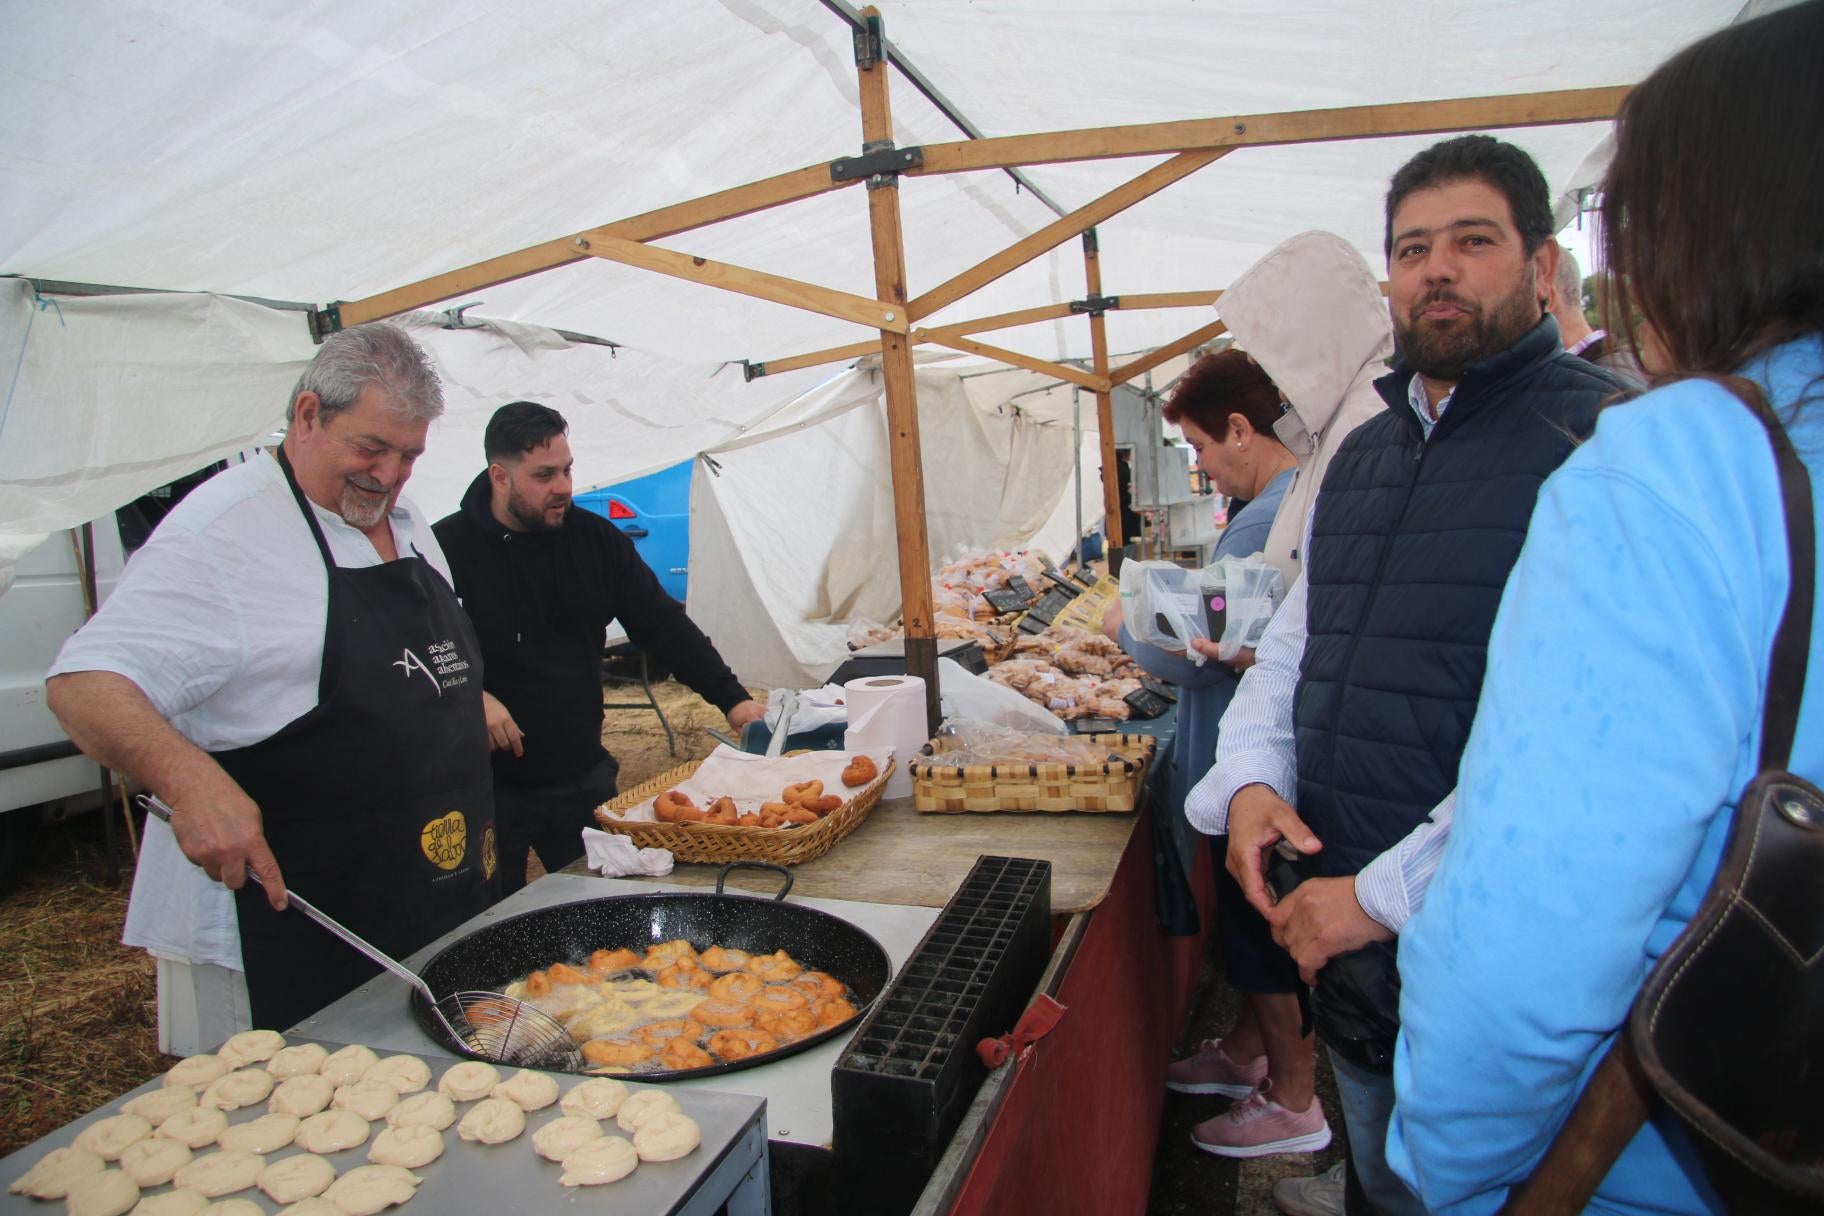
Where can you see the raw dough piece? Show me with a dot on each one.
(666, 1137)
(250, 1047)
(243, 1087)
(108, 1138)
(599, 1099)
(367, 1189)
(528, 1090)
(331, 1131)
(56, 1172)
(604, 1159)
(407, 1074)
(409, 1147)
(564, 1135)
(368, 1098)
(221, 1173)
(157, 1105)
(469, 1080)
(312, 1207)
(432, 1110)
(296, 1061)
(296, 1177)
(109, 1193)
(492, 1121)
(266, 1134)
(301, 1095)
(348, 1065)
(171, 1203)
(152, 1162)
(194, 1127)
(233, 1207)
(197, 1071)
(643, 1106)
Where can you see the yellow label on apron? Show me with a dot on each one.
(445, 840)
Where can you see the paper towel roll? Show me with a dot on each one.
(887, 711)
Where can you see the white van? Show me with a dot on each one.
(41, 772)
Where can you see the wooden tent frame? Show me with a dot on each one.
(1192, 145)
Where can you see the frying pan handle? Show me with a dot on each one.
(781, 871)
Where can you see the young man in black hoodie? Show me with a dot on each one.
(541, 584)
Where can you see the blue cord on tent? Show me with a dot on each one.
(42, 302)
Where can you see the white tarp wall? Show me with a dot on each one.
(792, 531)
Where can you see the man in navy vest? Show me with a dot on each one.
(1359, 705)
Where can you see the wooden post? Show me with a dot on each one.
(1105, 404)
(896, 371)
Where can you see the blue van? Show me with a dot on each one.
(655, 511)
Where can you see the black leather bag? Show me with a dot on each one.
(1728, 1029)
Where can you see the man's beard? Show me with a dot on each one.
(531, 518)
(1445, 353)
(364, 502)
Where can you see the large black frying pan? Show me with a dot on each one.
(495, 955)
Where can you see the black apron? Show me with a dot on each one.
(378, 803)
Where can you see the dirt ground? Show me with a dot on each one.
(78, 1011)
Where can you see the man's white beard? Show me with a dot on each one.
(363, 509)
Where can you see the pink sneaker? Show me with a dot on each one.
(1257, 1126)
(1211, 1071)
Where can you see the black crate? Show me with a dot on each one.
(901, 1086)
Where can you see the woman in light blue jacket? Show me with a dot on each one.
(1621, 716)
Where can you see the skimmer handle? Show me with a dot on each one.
(158, 806)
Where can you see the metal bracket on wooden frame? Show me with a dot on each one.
(1095, 306)
(880, 162)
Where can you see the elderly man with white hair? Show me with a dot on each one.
(285, 663)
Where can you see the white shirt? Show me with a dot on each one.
(1256, 746)
(219, 620)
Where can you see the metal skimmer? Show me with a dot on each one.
(491, 1025)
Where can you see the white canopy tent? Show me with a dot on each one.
(331, 151)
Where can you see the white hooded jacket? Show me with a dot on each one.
(1311, 314)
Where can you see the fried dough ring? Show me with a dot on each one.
(674, 806)
(722, 811)
(657, 1034)
(564, 973)
(801, 791)
(817, 985)
(663, 954)
(732, 1045)
(721, 958)
(683, 974)
(735, 986)
(798, 815)
(720, 1015)
(751, 820)
(777, 998)
(821, 806)
(777, 968)
(616, 1051)
(607, 962)
(834, 1012)
(538, 984)
(860, 771)
(681, 1053)
(790, 1024)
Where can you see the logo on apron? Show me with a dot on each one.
(411, 663)
(489, 860)
(445, 840)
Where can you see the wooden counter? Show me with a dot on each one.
(898, 856)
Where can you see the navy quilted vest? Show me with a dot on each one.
(1412, 542)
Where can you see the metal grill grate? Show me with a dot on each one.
(909, 1072)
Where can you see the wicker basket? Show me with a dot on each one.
(1111, 787)
(717, 844)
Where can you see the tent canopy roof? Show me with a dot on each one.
(340, 148)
